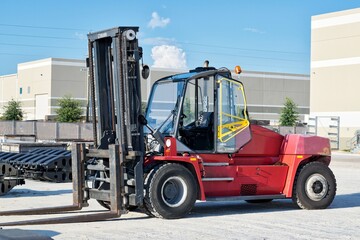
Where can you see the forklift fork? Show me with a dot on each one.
(79, 201)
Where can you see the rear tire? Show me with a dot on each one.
(314, 187)
(171, 191)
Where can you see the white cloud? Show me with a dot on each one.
(253, 30)
(158, 41)
(80, 36)
(166, 56)
(157, 21)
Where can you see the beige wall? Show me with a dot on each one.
(33, 78)
(266, 93)
(69, 77)
(8, 89)
(335, 69)
(53, 77)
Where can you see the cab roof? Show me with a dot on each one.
(197, 72)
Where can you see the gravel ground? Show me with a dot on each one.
(279, 219)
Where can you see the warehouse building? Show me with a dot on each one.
(266, 93)
(38, 85)
(335, 71)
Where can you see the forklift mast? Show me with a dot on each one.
(115, 164)
(114, 57)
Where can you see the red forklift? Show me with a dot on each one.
(193, 142)
(201, 146)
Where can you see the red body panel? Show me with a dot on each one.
(191, 162)
(248, 180)
(253, 165)
(306, 144)
(264, 142)
(298, 148)
(263, 149)
(267, 165)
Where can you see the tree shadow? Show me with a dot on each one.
(25, 192)
(27, 234)
(48, 233)
(346, 201)
(205, 209)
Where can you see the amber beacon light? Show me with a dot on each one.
(238, 70)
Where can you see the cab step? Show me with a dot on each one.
(221, 179)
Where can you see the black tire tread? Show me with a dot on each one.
(148, 207)
(295, 196)
(149, 185)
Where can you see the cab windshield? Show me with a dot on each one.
(164, 104)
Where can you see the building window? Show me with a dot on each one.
(28, 90)
(20, 90)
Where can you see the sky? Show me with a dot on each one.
(258, 35)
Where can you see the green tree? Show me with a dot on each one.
(13, 111)
(69, 111)
(289, 114)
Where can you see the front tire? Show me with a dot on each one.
(171, 191)
(315, 186)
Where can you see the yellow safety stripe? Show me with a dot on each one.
(233, 129)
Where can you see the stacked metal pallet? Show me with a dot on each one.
(9, 178)
(41, 164)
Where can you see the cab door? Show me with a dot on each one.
(233, 126)
(232, 131)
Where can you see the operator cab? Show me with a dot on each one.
(204, 109)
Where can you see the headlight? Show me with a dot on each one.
(168, 143)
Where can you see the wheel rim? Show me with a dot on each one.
(174, 191)
(316, 187)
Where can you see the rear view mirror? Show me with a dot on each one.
(145, 72)
(142, 120)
